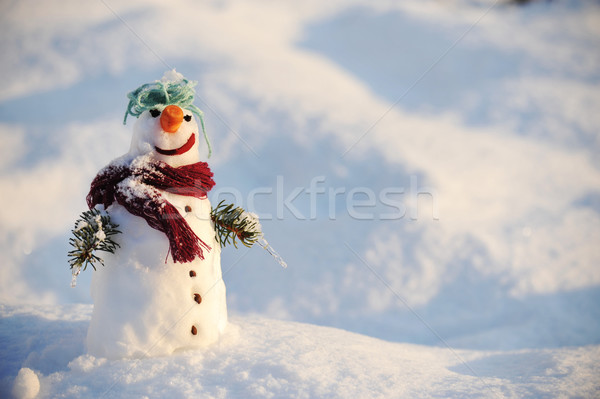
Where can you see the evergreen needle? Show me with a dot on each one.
(93, 232)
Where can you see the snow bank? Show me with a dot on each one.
(266, 358)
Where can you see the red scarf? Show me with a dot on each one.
(137, 187)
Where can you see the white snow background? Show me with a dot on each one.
(450, 247)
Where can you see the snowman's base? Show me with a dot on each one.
(145, 304)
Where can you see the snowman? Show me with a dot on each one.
(162, 291)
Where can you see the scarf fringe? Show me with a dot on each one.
(185, 245)
(137, 188)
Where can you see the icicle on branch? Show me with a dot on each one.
(265, 244)
(234, 223)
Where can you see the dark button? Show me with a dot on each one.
(192, 273)
(188, 208)
(197, 298)
(194, 330)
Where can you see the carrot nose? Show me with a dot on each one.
(171, 118)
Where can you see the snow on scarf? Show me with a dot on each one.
(137, 187)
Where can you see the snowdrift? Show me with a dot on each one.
(266, 358)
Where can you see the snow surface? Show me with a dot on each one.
(428, 170)
(267, 358)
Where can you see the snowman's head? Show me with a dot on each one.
(167, 128)
(167, 133)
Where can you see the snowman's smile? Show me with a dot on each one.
(178, 151)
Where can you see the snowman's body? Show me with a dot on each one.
(145, 304)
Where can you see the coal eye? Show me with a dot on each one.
(154, 113)
(187, 118)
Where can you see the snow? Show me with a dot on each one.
(144, 302)
(27, 385)
(305, 361)
(155, 296)
(82, 224)
(172, 76)
(428, 170)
